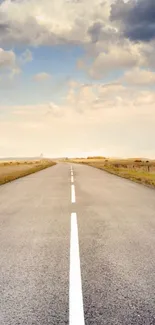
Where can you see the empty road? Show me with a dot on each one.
(77, 246)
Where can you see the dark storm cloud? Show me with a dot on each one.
(94, 31)
(138, 18)
(98, 31)
(3, 27)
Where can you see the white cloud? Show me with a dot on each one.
(115, 101)
(122, 121)
(7, 59)
(146, 98)
(39, 22)
(139, 77)
(117, 56)
(9, 64)
(42, 76)
(81, 97)
(55, 110)
(45, 22)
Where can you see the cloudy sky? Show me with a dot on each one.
(77, 77)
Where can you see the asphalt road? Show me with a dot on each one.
(116, 225)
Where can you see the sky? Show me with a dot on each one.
(77, 78)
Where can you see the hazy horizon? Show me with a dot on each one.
(78, 156)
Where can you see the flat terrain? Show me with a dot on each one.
(141, 171)
(116, 224)
(10, 170)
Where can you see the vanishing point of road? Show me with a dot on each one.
(77, 246)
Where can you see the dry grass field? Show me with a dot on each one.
(11, 170)
(135, 169)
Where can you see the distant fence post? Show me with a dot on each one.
(148, 166)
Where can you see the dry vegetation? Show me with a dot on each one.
(138, 170)
(11, 170)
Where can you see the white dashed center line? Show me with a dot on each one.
(73, 199)
(76, 312)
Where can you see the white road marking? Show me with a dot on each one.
(73, 200)
(76, 312)
(72, 179)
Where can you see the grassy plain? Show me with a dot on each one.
(11, 170)
(135, 169)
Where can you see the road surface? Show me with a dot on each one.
(44, 280)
